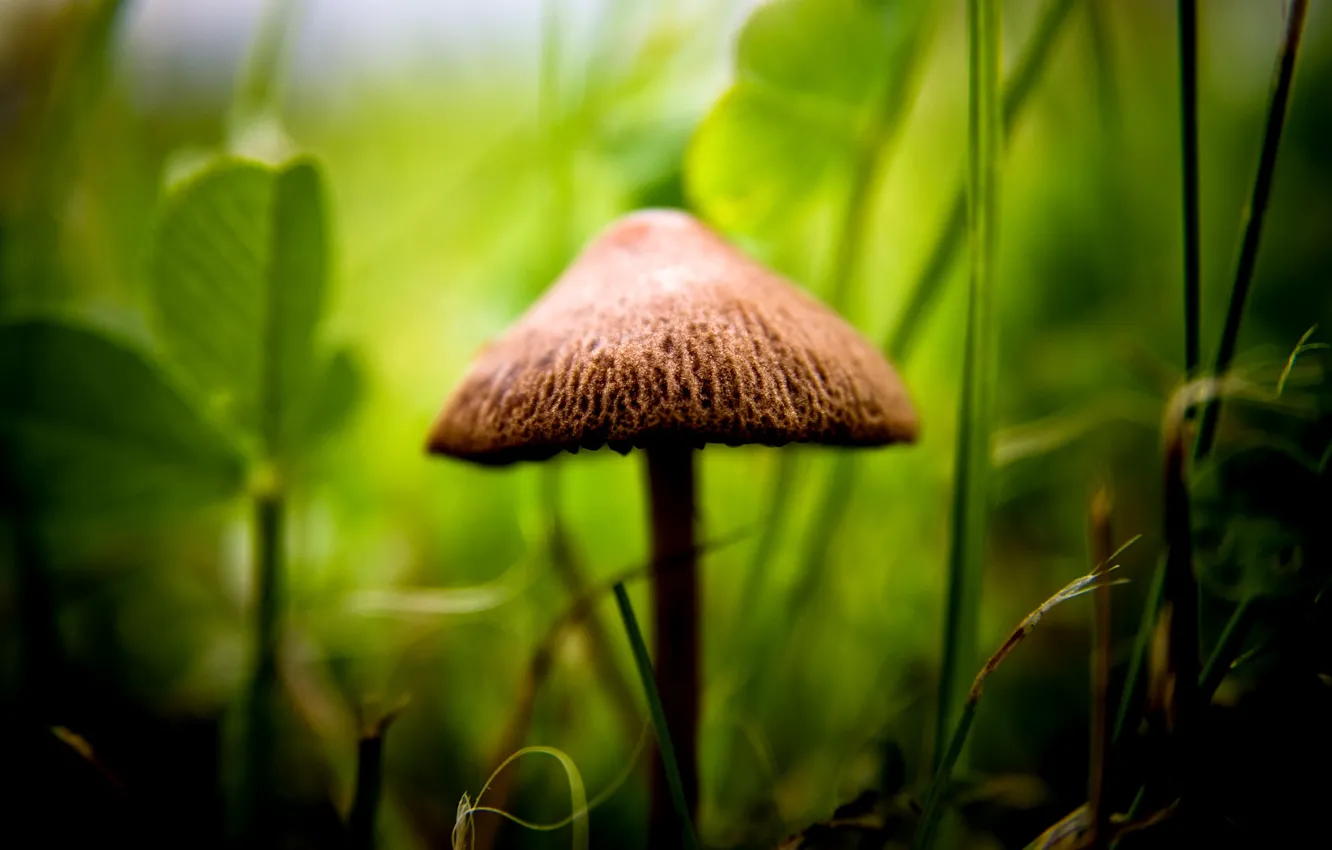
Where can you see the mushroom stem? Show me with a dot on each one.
(675, 628)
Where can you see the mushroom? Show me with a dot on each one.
(662, 336)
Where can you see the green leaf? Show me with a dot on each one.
(818, 84)
(239, 273)
(333, 396)
(89, 427)
(296, 285)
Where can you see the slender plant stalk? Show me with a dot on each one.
(1188, 105)
(971, 481)
(1254, 216)
(929, 821)
(369, 785)
(1102, 550)
(675, 631)
(258, 788)
(1187, 13)
(664, 746)
(1180, 605)
(258, 92)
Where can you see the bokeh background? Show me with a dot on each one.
(469, 149)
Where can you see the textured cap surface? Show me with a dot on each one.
(662, 332)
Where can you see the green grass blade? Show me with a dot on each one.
(1255, 215)
(972, 472)
(464, 835)
(928, 286)
(1188, 105)
(929, 819)
(1132, 691)
(649, 681)
(1228, 647)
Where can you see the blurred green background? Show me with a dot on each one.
(467, 151)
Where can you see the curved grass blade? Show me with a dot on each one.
(463, 835)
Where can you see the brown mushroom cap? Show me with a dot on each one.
(662, 332)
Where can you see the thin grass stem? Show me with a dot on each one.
(369, 785)
(1188, 106)
(971, 482)
(929, 821)
(1102, 550)
(1180, 603)
(257, 790)
(1254, 216)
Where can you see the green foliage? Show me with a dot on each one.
(446, 232)
(91, 426)
(239, 273)
(65, 78)
(816, 83)
(333, 395)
